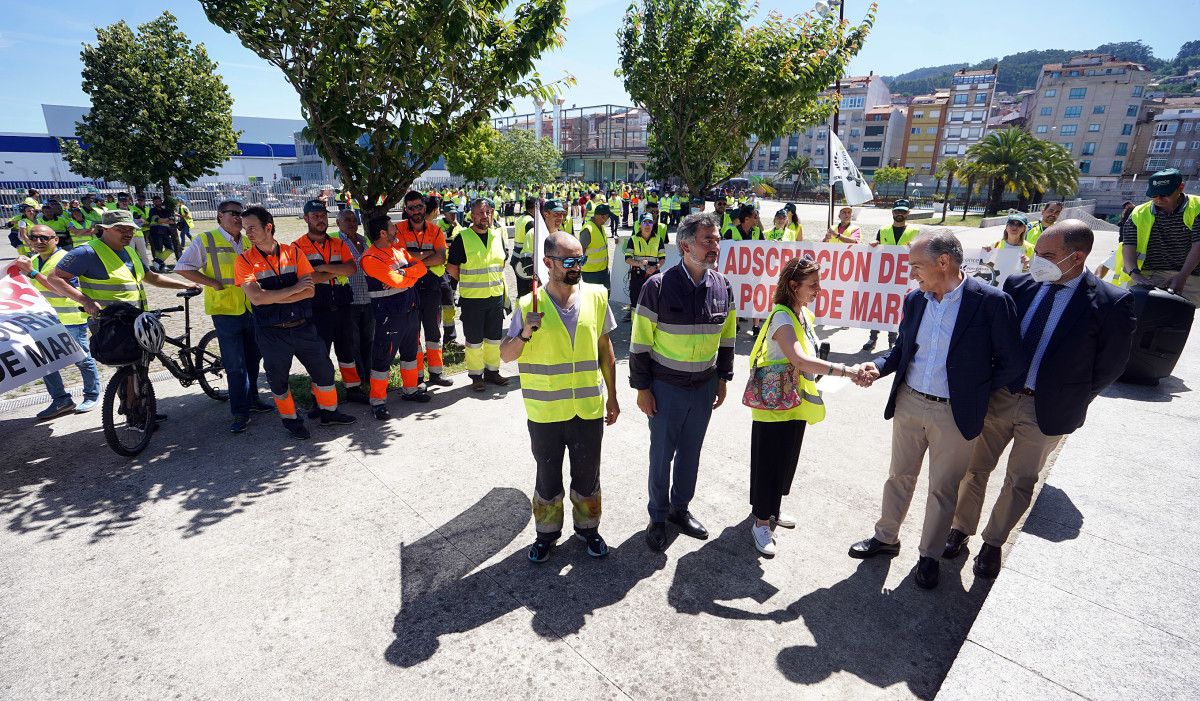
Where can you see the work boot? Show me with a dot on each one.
(333, 417)
(495, 377)
(436, 379)
(477, 383)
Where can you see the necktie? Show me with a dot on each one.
(1033, 334)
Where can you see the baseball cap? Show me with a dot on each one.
(315, 206)
(117, 217)
(602, 209)
(450, 208)
(1017, 216)
(1164, 182)
(902, 205)
(552, 206)
(647, 218)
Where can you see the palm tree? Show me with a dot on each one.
(947, 169)
(1013, 158)
(800, 168)
(1061, 175)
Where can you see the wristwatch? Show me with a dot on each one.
(525, 339)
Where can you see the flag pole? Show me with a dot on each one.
(837, 88)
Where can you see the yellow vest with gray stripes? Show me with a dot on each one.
(219, 258)
(67, 310)
(812, 407)
(121, 285)
(482, 276)
(560, 378)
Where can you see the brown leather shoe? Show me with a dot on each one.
(495, 377)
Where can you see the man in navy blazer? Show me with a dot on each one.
(1076, 332)
(958, 342)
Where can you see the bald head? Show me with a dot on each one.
(42, 239)
(1072, 234)
(563, 245)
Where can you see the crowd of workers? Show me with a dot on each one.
(975, 367)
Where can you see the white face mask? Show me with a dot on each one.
(1043, 270)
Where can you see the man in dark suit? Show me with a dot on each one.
(958, 341)
(1075, 333)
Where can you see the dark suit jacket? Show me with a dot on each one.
(1088, 350)
(985, 352)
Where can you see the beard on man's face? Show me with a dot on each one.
(571, 277)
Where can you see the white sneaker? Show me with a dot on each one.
(764, 539)
(785, 520)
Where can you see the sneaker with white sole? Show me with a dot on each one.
(785, 520)
(764, 538)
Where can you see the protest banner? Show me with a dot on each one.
(33, 343)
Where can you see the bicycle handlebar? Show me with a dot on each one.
(168, 310)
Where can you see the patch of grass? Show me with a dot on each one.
(453, 357)
(952, 219)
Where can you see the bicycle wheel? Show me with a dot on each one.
(209, 369)
(128, 411)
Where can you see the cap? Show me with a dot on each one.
(698, 201)
(1017, 216)
(647, 218)
(117, 217)
(450, 208)
(1164, 182)
(901, 205)
(782, 213)
(315, 206)
(602, 209)
(552, 206)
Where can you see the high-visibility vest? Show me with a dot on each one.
(812, 407)
(560, 376)
(186, 215)
(887, 235)
(1143, 218)
(219, 259)
(410, 241)
(595, 247)
(639, 247)
(735, 234)
(521, 237)
(1026, 247)
(777, 234)
(1035, 232)
(482, 276)
(121, 285)
(81, 233)
(142, 213)
(67, 309)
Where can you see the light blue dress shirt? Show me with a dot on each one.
(1056, 311)
(927, 371)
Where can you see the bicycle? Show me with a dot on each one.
(130, 393)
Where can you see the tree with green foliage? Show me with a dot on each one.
(709, 80)
(389, 87)
(802, 169)
(160, 112)
(474, 157)
(947, 169)
(890, 175)
(524, 159)
(1019, 163)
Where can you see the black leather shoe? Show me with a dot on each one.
(872, 547)
(656, 536)
(927, 572)
(688, 525)
(954, 543)
(987, 562)
(495, 377)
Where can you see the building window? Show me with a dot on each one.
(1165, 128)
(1156, 163)
(953, 132)
(1137, 91)
(1160, 146)
(1117, 167)
(1068, 146)
(1097, 109)
(956, 116)
(852, 103)
(873, 131)
(821, 135)
(1073, 112)
(1196, 144)
(1077, 94)
(974, 132)
(1189, 163)
(1073, 74)
(854, 132)
(951, 149)
(1127, 130)
(1131, 111)
(1122, 148)
(1187, 126)
(918, 115)
(1085, 167)
(915, 130)
(1089, 148)
(869, 161)
(1093, 127)
(1042, 129)
(1046, 111)
(912, 148)
(981, 98)
(934, 114)
(960, 99)
(1069, 129)
(1180, 145)
(1055, 74)
(930, 130)
(1050, 92)
(820, 151)
(928, 148)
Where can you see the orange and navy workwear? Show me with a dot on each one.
(391, 276)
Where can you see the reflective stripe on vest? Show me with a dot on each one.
(560, 377)
(219, 259)
(644, 248)
(482, 276)
(121, 285)
(1143, 218)
(812, 406)
(887, 235)
(68, 311)
(595, 248)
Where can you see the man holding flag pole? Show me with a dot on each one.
(560, 338)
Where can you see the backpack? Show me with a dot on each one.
(112, 341)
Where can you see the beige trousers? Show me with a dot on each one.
(1191, 288)
(919, 426)
(1010, 417)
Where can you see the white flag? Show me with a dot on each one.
(842, 169)
(539, 245)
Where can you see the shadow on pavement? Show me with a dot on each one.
(884, 636)
(56, 480)
(1167, 389)
(440, 598)
(1054, 517)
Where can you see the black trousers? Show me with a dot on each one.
(362, 332)
(581, 438)
(482, 318)
(774, 453)
(279, 346)
(336, 330)
(637, 278)
(429, 295)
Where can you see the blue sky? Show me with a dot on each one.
(39, 43)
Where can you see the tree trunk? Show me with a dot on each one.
(946, 200)
(967, 200)
(995, 192)
(796, 187)
(166, 192)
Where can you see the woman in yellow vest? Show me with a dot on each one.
(645, 254)
(38, 267)
(1014, 237)
(779, 230)
(787, 338)
(567, 363)
(795, 231)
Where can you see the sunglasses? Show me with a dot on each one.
(570, 261)
(42, 238)
(232, 212)
(414, 207)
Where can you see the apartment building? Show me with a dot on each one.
(971, 99)
(927, 115)
(1090, 105)
(1171, 140)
